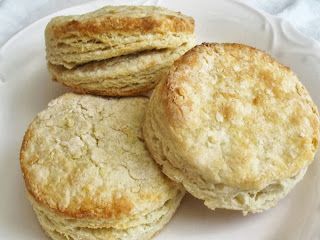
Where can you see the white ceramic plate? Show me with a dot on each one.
(25, 89)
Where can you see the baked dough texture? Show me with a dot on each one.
(127, 75)
(108, 34)
(236, 127)
(113, 31)
(89, 175)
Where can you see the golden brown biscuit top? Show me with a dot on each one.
(239, 117)
(122, 19)
(83, 157)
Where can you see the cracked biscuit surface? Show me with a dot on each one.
(236, 127)
(88, 173)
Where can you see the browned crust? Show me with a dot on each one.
(171, 90)
(27, 137)
(88, 209)
(100, 25)
(105, 92)
(118, 208)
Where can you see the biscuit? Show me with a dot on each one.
(89, 175)
(109, 38)
(234, 126)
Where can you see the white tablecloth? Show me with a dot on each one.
(17, 14)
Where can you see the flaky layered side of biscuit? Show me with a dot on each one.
(132, 228)
(233, 125)
(88, 173)
(113, 31)
(120, 75)
(111, 35)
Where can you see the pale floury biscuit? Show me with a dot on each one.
(137, 32)
(236, 127)
(89, 175)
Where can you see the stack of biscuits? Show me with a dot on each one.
(226, 122)
(116, 50)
